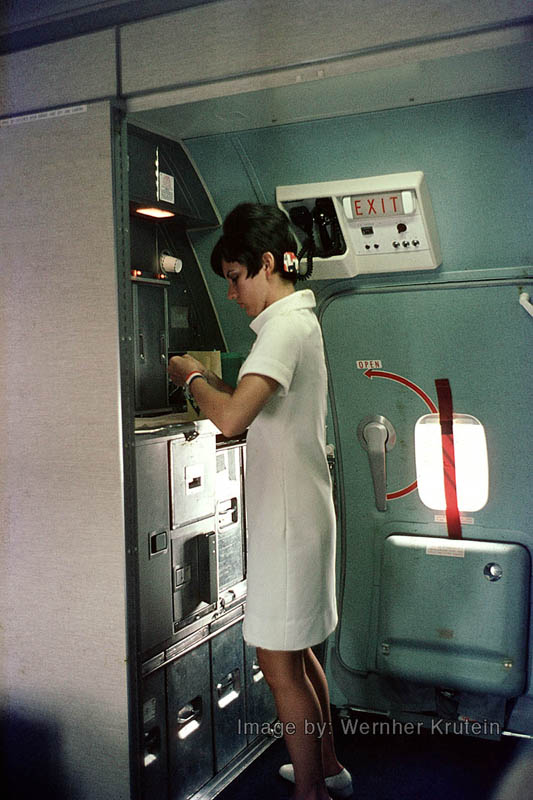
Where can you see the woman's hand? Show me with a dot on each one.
(181, 366)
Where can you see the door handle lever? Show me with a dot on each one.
(377, 435)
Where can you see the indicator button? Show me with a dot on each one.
(401, 227)
(406, 244)
(396, 245)
(376, 247)
(415, 242)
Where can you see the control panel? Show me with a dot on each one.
(377, 225)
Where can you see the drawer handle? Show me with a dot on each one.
(189, 718)
(229, 688)
(152, 746)
(257, 673)
(228, 513)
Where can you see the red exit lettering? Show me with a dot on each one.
(379, 205)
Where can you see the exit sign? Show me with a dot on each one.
(371, 206)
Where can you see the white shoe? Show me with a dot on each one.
(340, 785)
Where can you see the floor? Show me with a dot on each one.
(397, 766)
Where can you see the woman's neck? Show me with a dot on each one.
(278, 291)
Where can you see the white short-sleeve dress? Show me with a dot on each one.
(291, 601)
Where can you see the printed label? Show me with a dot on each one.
(166, 187)
(464, 520)
(372, 363)
(55, 113)
(442, 550)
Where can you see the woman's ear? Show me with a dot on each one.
(269, 263)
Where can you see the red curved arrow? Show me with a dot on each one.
(402, 492)
(377, 373)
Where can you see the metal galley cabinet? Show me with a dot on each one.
(201, 696)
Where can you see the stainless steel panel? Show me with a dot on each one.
(192, 479)
(230, 517)
(155, 588)
(194, 572)
(153, 543)
(152, 485)
(454, 613)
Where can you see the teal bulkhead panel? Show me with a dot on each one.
(475, 153)
(480, 338)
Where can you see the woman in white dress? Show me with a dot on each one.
(281, 398)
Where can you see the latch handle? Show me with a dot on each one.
(377, 435)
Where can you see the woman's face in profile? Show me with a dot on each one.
(249, 293)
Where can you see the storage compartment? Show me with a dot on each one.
(190, 754)
(154, 747)
(260, 707)
(153, 543)
(228, 691)
(192, 464)
(161, 172)
(229, 517)
(194, 573)
(151, 345)
(151, 457)
(454, 613)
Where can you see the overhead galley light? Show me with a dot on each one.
(471, 462)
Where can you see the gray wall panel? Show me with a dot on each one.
(66, 72)
(239, 37)
(62, 600)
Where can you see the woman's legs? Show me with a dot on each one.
(300, 714)
(316, 675)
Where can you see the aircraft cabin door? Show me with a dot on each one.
(420, 613)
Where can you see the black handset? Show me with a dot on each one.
(303, 219)
(322, 219)
(327, 222)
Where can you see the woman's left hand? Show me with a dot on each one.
(180, 367)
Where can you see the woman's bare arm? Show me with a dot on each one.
(233, 413)
(232, 410)
(216, 382)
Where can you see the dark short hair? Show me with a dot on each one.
(250, 230)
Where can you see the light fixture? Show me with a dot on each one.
(159, 213)
(471, 462)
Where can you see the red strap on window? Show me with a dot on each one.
(444, 395)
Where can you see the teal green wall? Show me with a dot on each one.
(475, 153)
